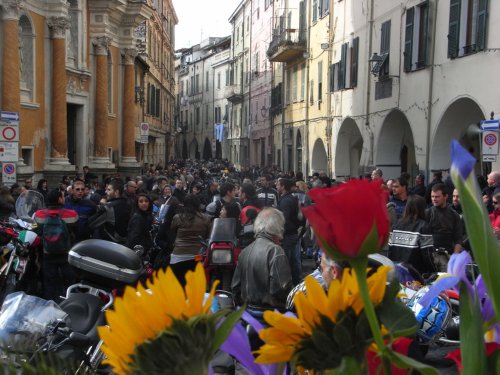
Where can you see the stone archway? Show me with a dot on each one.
(193, 149)
(348, 150)
(460, 121)
(319, 160)
(395, 151)
(207, 150)
(184, 149)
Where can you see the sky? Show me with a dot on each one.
(200, 19)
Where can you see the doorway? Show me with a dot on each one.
(72, 112)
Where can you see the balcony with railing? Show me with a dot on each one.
(233, 94)
(287, 45)
(183, 70)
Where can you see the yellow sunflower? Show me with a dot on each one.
(281, 339)
(142, 314)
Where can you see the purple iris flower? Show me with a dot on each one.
(456, 269)
(238, 345)
(461, 159)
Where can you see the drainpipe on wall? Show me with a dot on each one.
(430, 95)
(371, 160)
(308, 46)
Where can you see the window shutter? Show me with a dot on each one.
(408, 39)
(337, 83)
(157, 103)
(481, 25)
(332, 78)
(454, 28)
(342, 70)
(354, 62)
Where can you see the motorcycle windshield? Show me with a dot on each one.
(25, 318)
(28, 203)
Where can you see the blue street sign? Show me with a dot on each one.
(490, 125)
(4, 115)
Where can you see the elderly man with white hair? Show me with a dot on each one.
(262, 278)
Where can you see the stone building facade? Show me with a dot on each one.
(72, 71)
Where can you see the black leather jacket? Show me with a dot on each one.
(262, 277)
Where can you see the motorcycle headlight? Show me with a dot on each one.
(222, 256)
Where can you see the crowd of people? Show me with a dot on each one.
(167, 209)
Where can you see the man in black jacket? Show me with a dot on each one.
(111, 221)
(266, 194)
(289, 205)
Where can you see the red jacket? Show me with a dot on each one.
(67, 215)
(495, 219)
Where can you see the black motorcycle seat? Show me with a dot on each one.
(84, 311)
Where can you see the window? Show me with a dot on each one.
(315, 10)
(320, 80)
(157, 103)
(344, 73)
(303, 82)
(26, 58)
(197, 84)
(416, 37)
(467, 27)
(288, 82)
(381, 68)
(354, 61)
(110, 82)
(206, 81)
(294, 84)
(218, 80)
(342, 67)
(324, 8)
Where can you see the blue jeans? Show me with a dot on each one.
(291, 246)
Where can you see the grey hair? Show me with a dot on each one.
(270, 221)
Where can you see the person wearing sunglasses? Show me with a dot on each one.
(495, 215)
(84, 207)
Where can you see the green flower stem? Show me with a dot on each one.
(359, 266)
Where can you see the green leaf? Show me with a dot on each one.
(226, 327)
(471, 330)
(494, 362)
(348, 366)
(396, 317)
(403, 361)
(484, 245)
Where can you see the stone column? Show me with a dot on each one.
(11, 93)
(59, 128)
(129, 113)
(101, 45)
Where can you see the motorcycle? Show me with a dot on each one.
(104, 269)
(220, 253)
(20, 268)
(437, 323)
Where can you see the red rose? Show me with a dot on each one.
(349, 220)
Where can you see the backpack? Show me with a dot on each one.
(55, 235)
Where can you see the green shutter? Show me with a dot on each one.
(408, 39)
(331, 73)
(343, 64)
(481, 25)
(354, 62)
(454, 28)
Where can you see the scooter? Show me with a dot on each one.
(103, 268)
(220, 254)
